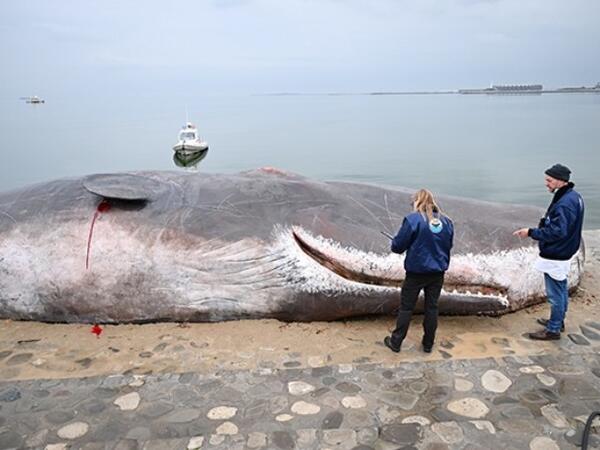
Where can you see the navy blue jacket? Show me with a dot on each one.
(427, 247)
(559, 233)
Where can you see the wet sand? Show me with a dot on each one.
(33, 350)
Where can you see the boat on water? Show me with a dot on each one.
(188, 161)
(34, 100)
(189, 141)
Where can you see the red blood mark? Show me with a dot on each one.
(97, 330)
(102, 207)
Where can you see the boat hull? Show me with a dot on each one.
(190, 149)
(188, 160)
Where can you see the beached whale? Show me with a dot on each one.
(172, 246)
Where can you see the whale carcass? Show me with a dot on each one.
(171, 246)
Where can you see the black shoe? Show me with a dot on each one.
(388, 343)
(544, 322)
(544, 335)
(427, 349)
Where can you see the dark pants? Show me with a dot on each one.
(412, 286)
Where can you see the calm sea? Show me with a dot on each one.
(486, 147)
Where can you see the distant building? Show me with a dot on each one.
(517, 87)
(528, 89)
(506, 89)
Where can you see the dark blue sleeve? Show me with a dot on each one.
(556, 227)
(406, 235)
(451, 230)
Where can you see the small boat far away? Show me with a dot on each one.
(189, 141)
(33, 100)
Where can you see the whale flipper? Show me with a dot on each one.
(122, 186)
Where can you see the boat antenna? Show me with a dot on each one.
(186, 116)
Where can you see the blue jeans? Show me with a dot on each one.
(558, 297)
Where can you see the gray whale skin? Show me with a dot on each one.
(172, 246)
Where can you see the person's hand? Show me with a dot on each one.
(522, 233)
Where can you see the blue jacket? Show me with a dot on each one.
(427, 246)
(559, 232)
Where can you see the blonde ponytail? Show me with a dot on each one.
(425, 204)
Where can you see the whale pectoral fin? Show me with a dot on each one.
(122, 186)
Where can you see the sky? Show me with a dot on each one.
(304, 46)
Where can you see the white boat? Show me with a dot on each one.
(189, 142)
(188, 160)
(34, 100)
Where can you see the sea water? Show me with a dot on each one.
(493, 148)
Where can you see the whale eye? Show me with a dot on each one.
(435, 225)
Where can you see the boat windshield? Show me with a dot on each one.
(187, 136)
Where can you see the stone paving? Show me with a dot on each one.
(537, 402)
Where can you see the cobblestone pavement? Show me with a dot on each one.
(514, 402)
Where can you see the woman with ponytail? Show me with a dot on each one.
(426, 236)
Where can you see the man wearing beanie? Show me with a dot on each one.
(559, 237)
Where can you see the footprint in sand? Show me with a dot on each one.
(199, 345)
(19, 359)
(447, 345)
(160, 347)
(291, 364)
(500, 341)
(445, 355)
(85, 362)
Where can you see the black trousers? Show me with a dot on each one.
(412, 286)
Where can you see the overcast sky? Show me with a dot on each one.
(259, 46)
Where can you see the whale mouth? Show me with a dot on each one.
(472, 297)
(342, 269)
